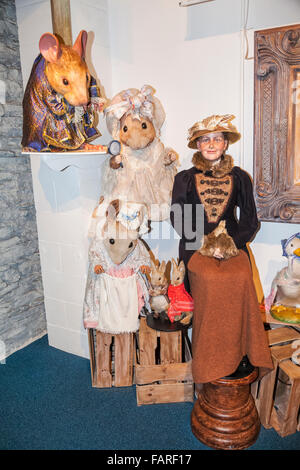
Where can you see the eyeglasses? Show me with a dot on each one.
(208, 140)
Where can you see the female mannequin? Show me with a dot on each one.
(227, 325)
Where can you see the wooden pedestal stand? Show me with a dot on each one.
(224, 415)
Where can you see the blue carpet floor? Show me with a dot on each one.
(47, 403)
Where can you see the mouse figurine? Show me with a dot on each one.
(158, 288)
(144, 171)
(116, 290)
(181, 303)
(60, 99)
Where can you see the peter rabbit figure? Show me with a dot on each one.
(181, 303)
(159, 302)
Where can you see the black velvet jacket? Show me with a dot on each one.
(232, 188)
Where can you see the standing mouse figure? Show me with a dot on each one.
(181, 303)
(144, 171)
(158, 288)
(60, 99)
(116, 290)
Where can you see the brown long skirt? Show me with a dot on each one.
(227, 323)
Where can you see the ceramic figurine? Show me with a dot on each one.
(283, 301)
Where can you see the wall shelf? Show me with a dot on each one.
(60, 161)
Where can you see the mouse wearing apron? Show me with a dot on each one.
(116, 291)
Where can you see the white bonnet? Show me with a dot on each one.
(139, 103)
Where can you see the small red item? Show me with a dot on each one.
(180, 301)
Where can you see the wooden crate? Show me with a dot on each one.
(278, 405)
(111, 359)
(285, 412)
(161, 376)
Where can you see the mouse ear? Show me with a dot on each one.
(80, 43)
(113, 209)
(49, 47)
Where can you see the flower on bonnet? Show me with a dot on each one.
(133, 217)
(139, 105)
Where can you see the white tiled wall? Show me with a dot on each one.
(65, 200)
(64, 204)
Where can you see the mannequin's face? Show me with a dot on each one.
(212, 146)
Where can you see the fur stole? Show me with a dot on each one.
(220, 239)
(219, 170)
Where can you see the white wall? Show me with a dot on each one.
(194, 58)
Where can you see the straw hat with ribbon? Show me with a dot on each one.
(211, 124)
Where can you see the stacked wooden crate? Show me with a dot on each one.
(163, 372)
(277, 395)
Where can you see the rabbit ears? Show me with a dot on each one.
(51, 50)
(160, 267)
(179, 265)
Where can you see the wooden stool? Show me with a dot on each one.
(224, 415)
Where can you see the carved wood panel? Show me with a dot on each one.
(277, 124)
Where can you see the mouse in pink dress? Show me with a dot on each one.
(116, 291)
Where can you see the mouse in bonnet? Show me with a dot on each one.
(116, 290)
(144, 171)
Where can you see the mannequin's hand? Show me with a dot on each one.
(218, 254)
